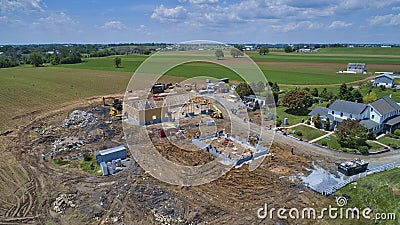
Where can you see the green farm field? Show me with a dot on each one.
(26, 89)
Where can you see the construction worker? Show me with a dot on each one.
(51, 155)
(43, 156)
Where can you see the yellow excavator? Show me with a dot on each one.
(115, 106)
(217, 114)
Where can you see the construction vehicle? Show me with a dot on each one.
(115, 106)
(353, 167)
(217, 114)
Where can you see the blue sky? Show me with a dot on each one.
(246, 21)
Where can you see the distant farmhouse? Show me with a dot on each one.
(307, 50)
(382, 115)
(357, 67)
(386, 79)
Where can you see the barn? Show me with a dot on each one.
(357, 67)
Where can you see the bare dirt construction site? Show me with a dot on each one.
(36, 191)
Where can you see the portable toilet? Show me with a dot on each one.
(104, 169)
(286, 121)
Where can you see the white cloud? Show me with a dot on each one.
(386, 20)
(55, 19)
(163, 13)
(304, 25)
(114, 25)
(338, 24)
(199, 1)
(25, 6)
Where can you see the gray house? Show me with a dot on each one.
(384, 80)
(379, 116)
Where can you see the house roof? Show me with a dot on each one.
(319, 110)
(385, 75)
(385, 105)
(393, 121)
(370, 124)
(348, 107)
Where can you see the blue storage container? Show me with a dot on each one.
(110, 154)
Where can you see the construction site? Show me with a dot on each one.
(62, 146)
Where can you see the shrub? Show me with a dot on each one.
(363, 150)
(308, 122)
(278, 123)
(394, 146)
(324, 143)
(299, 133)
(371, 136)
(397, 132)
(87, 156)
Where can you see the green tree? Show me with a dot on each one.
(357, 96)
(297, 99)
(35, 59)
(370, 97)
(324, 95)
(344, 93)
(244, 89)
(275, 88)
(351, 134)
(317, 121)
(219, 53)
(239, 47)
(263, 50)
(327, 124)
(117, 61)
(235, 53)
(314, 92)
(288, 49)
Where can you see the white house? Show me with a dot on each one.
(379, 116)
(385, 80)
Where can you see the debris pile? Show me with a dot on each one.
(63, 202)
(43, 131)
(68, 144)
(80, 118)
(166, 220)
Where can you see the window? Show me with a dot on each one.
(341, 114)
(333, 112)
(351, 116)
(372, 109)
(373, 116)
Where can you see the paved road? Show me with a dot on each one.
(307, 149)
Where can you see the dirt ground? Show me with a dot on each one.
(29, 185)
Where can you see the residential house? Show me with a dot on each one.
(385, 80)
(382, 115)
(386, 113)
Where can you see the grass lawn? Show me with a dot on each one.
(380, 192)
(388, 141)
(332, 142)
(294, 117)
(308, 133)
(86, 166)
